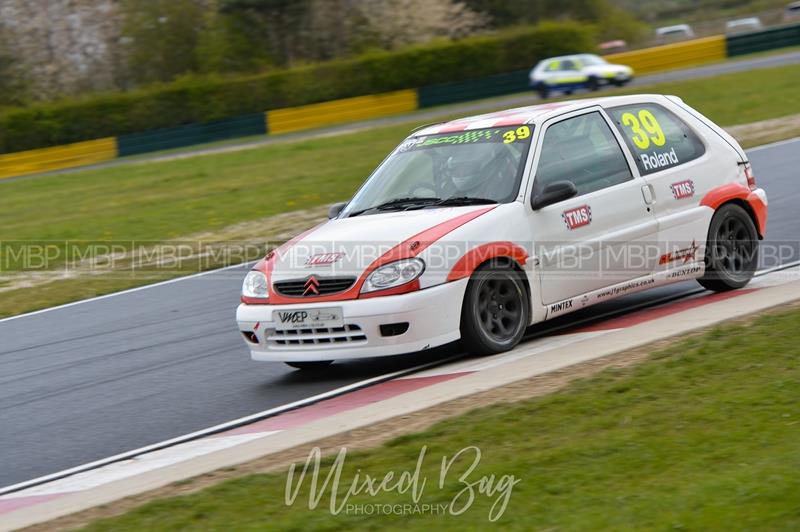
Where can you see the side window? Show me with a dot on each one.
(657, 138)
(553, 66)
(582, 150)
(568, 64)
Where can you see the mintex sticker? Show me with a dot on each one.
(682, 189)
(577, 217)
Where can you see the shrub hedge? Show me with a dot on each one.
(202, 100)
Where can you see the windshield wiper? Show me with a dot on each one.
(421, 203)
(399, 203)
(464, 200)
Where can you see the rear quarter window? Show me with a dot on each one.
(658, 139)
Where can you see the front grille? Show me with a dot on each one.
(326, 286)
(348, 334)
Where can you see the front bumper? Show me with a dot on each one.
(433, 316)
(619, 77)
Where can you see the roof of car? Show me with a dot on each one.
(528, 115)
(676, 27)
(564, 57)
(743, 21)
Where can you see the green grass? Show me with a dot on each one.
(704, 435)
(167, 200)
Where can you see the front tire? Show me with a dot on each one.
(593, 84)
(731, 250)
(496, 312)
(543, 90)
(310, 366)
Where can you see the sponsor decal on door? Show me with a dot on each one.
(577, 217)
(682, 189)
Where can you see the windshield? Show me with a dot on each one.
(592, 60)
(481, 165)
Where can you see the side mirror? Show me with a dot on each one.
(553, 193)
(335, 209)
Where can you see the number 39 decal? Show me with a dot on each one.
(522, 132)
(645, 129)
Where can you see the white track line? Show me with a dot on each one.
(130, 290)
(93, 478)
(222, 427)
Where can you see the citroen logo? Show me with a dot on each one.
(312, 286)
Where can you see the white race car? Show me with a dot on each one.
(572, 72)
(477, 228)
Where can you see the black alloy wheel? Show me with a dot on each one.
(731, 249)
(496, 312)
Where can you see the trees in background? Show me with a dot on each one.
(11, 79)
(161, 40)
(612, 21)
(278, 24)
(168, 38)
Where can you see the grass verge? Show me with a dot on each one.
(175, 199)
(704, 434)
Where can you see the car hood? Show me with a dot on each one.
(348, 246)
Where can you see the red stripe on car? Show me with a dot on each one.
(266, 264)
(477, 256)
(736, 191)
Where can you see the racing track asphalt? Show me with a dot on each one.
(94, 379)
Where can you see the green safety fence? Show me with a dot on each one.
(191, 134)
(760, 41)
(474, 89)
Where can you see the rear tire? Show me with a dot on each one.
(731, 250)
(310, 366)
(496, 311)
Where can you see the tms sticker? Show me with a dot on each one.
(682, 189)
(577, 217)
(685, 254)
(323, 259)
(560, 307)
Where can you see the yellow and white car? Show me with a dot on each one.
(571, 72)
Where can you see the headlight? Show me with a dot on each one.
(394, 274)
(255, 285)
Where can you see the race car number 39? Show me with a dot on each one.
(318, 318)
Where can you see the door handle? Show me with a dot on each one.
(648, 194)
